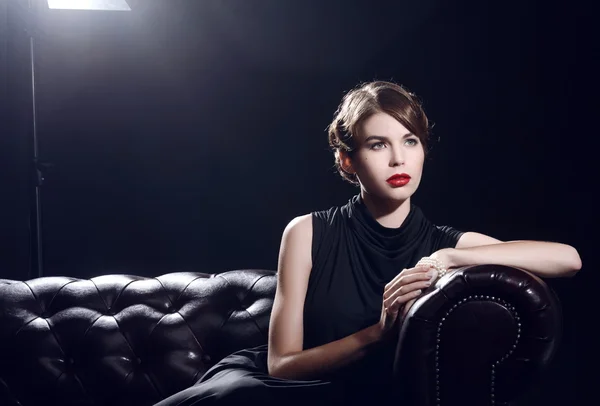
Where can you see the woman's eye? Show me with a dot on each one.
(380, 145)
(377, 145)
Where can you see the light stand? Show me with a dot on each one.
(35, 223)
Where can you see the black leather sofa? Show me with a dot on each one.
(481, 336)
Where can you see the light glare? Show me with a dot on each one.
(110, 5)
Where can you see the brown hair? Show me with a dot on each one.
(370, 98)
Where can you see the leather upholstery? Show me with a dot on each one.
(481, 336)
(130, 340)
(124, 340)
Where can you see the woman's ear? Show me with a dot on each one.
(346, 162)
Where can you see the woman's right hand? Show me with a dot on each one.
(400, 294)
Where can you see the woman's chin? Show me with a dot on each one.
(391, 195)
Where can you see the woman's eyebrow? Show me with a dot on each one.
(382, 138)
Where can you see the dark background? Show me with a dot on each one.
(185, 135)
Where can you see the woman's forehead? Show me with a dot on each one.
(383, 125)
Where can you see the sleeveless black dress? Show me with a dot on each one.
(353, 257)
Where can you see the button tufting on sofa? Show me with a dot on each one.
(128, 340)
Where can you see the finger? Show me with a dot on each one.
(407, 306)
(400, 300)
(406, 289)
(407, 279)
(430, 275)
(390, 283)
(408, 271)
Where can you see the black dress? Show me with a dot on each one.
(353, 257)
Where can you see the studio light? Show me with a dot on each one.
(108, 5)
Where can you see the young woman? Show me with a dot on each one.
(348, 275)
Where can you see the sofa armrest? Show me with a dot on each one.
(481, 336)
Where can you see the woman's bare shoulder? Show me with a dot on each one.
(298, 230)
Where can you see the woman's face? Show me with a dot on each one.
(384, 149)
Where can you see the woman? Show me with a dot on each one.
(348, 275)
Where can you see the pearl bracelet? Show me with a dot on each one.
(436, 263)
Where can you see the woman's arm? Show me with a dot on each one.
(286, 357)
(545, 259)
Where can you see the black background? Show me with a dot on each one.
(185, 135)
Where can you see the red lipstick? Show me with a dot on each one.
(398, 179)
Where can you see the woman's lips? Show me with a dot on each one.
(399, 180)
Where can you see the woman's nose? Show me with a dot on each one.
(397, 157)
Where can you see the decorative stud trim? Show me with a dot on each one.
(493, 371)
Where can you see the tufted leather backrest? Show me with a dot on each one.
(122, 339)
